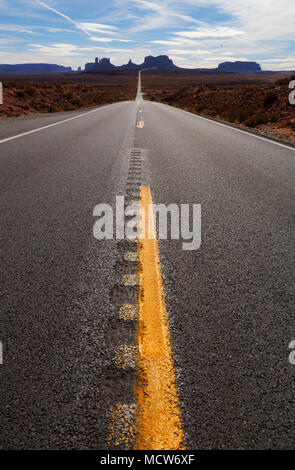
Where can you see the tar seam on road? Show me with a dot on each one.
(140, 119)
(149, 418)
(158, 416)
(124, 298)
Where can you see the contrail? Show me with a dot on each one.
(77, 25)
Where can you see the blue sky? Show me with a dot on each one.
(194, 33)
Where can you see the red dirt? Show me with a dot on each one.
(23, 97)
(264, 107)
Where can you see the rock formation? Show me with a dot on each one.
(239, 67)
(101, 64)
(33, 68)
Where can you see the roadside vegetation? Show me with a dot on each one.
(264, 107)
(26, 97)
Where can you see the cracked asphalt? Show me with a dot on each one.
(230, 303)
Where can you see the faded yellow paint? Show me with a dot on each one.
(130, 280)
(140, 124)
(158, 417)
(131, 256)
(121, 430)
(125, 356)
(128, 312)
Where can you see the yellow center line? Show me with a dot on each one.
(140, 124)
(158, 416)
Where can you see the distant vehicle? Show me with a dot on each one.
(153, 98)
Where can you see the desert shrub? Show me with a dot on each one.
(257, 119)
(76, 101)
(284, 123)
(239, 114)
(269, 99)
(32, 90)
(282, 81)
(21, 94)
(285, 81)
(199, 108)
(56, 107)
(10, 85)
(68, 107)
(273, 118)
(69, 95)
(98, 99)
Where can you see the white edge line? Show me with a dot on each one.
(52, 125)
(231, 127)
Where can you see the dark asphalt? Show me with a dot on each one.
(56, 279)
(231, 303)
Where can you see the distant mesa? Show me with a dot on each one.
(162, 62)
(33, 68)
(130, 66)
(239, 67)
(101, 64)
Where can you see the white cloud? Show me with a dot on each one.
(57, 30)
(109, 39)
(264, 20)
(217, 59)
(97, 28)
(16, 28)
(137, 54)
(56, 50)
(163, 9)
(101, 39)
(249, 29)
(189, 52)
(9, 41)
(159, 15)
(255, 29)
(61, 49)
(166, 43)
(59, 13)
(215, 32)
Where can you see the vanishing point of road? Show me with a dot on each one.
(68, 376)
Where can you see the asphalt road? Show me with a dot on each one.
(230, 303)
